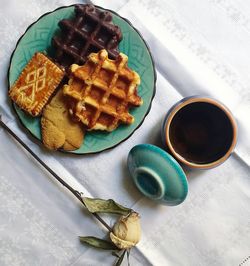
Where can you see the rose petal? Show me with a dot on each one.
(122, 244)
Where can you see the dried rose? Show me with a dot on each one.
(127, 231)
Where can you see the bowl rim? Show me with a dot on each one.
(38, 140)
(194, 99)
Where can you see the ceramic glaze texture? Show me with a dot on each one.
(157, 174)
(38, 38)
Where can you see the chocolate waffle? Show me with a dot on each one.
(89, 31)
(103, 90)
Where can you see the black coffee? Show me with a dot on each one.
(201, 133)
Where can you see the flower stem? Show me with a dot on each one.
(76, 193)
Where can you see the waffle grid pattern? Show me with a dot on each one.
(104, 90)
(90, 31)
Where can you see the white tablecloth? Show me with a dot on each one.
(199, 47)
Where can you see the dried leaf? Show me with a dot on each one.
(98, 243)
(105, 206)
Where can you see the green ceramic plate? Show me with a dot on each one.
(38, 38)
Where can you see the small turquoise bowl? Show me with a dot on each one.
(157, 174)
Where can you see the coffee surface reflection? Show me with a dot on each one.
(201, 132)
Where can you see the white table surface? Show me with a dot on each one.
(199, 47)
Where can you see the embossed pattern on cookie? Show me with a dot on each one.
(36, 83)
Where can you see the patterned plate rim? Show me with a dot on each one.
(39, 141)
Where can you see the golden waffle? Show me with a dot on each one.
(37, 82)
(104, 89)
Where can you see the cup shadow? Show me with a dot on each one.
(128, 183)
(192, 174)
(154, 136)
